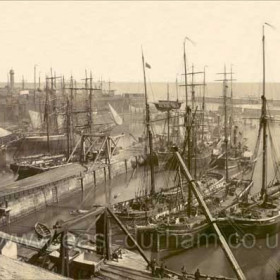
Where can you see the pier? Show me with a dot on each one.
(25, 196)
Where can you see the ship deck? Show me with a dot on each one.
(57, 174)
(37, 181)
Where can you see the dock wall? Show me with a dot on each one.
(21, 202)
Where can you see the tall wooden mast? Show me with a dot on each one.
(168, 119)
(187, 110)
(231, 107)
(90, 104)
(149, 131)
(47, 114)
(225, 86)
(69, 114)
(203, 103)
(225, 98)
(188, 131)
(35, 84)
(264, 125)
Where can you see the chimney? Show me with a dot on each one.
(12, 80)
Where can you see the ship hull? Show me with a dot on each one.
(235, 166)
(213, 182)
(172, 237)
(200, 162)
(25, 171)
(259, 228)
(28, 170)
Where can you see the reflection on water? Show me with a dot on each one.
(258, 262)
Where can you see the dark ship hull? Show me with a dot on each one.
(236, 165)
(25, 171)
(31, 166)
(172, 237)
(200, 162)
(259, 228)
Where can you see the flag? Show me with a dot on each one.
(148, 65)
(270, 25)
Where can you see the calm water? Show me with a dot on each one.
(258, 262)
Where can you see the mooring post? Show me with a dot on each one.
(82, 181)
(125, 163)
(107, 235)
(105, 177)
(94, 178)
(64, 254)
(109, 171)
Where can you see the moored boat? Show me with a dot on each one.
(259, 214)
(29, 166)
(42, 230)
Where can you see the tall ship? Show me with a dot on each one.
(231, 155)
(196, 142)
(184, 221)
(258, 214)
(58, 132)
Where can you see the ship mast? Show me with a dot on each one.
(69, 115)
(231, 108)
(264, 125)
(187, 130)
(194, 124)
(47, 115)
(177, 113)
(90, 104)
(68, 124)
(203, 103)
(168, 119)
(226, 122)
(225, 88)
(148, 126)
(187, 111)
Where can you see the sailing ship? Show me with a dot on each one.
(56, 146)
(201, 136)
(258, 214)
(183, 222)
(198, 142)
(150, 202)
(170, 139)
(231, 154)
(52, 144)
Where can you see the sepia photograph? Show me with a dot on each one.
(139, 140)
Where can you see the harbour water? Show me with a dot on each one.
(258, 261)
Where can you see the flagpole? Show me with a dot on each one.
(150, 136)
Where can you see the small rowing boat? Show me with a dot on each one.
(42, 230)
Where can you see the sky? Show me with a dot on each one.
(106, 38)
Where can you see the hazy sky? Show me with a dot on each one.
(107, 37)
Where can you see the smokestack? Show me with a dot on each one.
(12, 80)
